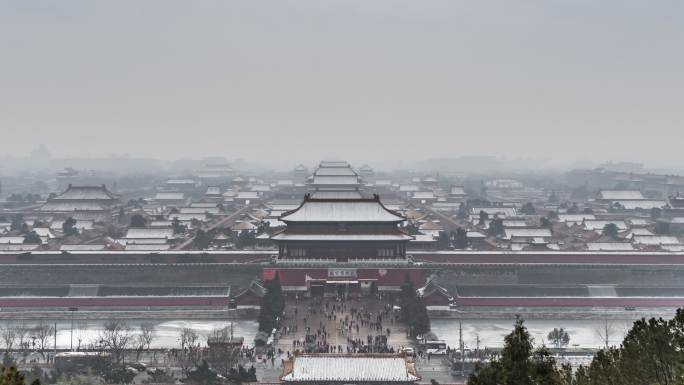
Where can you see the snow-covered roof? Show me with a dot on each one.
(430, 287)
(82, 247)
(337, 195)
(12, 240)
(640, 231)
(18, 247)
(165, 196)
(283, 207)
(609, 246)
(498, 211)
(43, 232)
(273, 222)
(261, 187)
(86, 193)
(475, 234)
(80, 225)
(599, 225)
(612, 195)
(457, 190)
(656, 240)
(423, 195)
(335, 171)
(333, 163)
(575, 218)
(514, 223)
(358, 210)
(674, 248)
(640, 204)
(350, 368)
(147, 247)
(408, 188)
(423, 238)
(639, 222)
(188, 217)
(430, 225)
(504, 183)
(141, 241)
(527, 233)
(243, 225)
(181, 181)
(68, 206)
(149, 233)
(247, 195)
(203, 205)
(341, 237)
(199, 210)
(336, 180)
(213, 190)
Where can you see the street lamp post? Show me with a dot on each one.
(72, 310)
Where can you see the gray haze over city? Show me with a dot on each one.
(555, 83)
(374, 192)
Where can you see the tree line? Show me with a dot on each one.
(652, 353)
(125, 346)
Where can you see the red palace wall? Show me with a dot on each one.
(247, 298)
(436, 299)
(383, 277)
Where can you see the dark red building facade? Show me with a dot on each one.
(342, 247)
(341, 230)
(341, 280)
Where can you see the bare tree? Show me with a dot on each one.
(188, 357)
(9, 336)
(43, 333)
(605, 332)
(116, 338)
(223, 355)
(188, 338)
(147, 334)
(22, 338)
(144, 339)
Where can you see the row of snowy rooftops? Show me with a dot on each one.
(82, 198)
(630, 200)
(621, 195)
(86, 193)
(501, 212)
(349, 368)
(335, 173)
(334, 164)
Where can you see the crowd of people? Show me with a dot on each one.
(339, 325)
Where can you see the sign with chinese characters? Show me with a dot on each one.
(341, 273)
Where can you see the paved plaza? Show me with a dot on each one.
(342, 326)
(334, 323)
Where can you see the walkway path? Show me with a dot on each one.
(223, 222)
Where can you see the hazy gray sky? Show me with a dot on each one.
(366, 79)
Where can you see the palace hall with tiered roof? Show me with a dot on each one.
(339, 241)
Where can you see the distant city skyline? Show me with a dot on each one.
(378, 81)
(42, 158)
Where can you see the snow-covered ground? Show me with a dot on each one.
(166, 332)
(583, 333)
